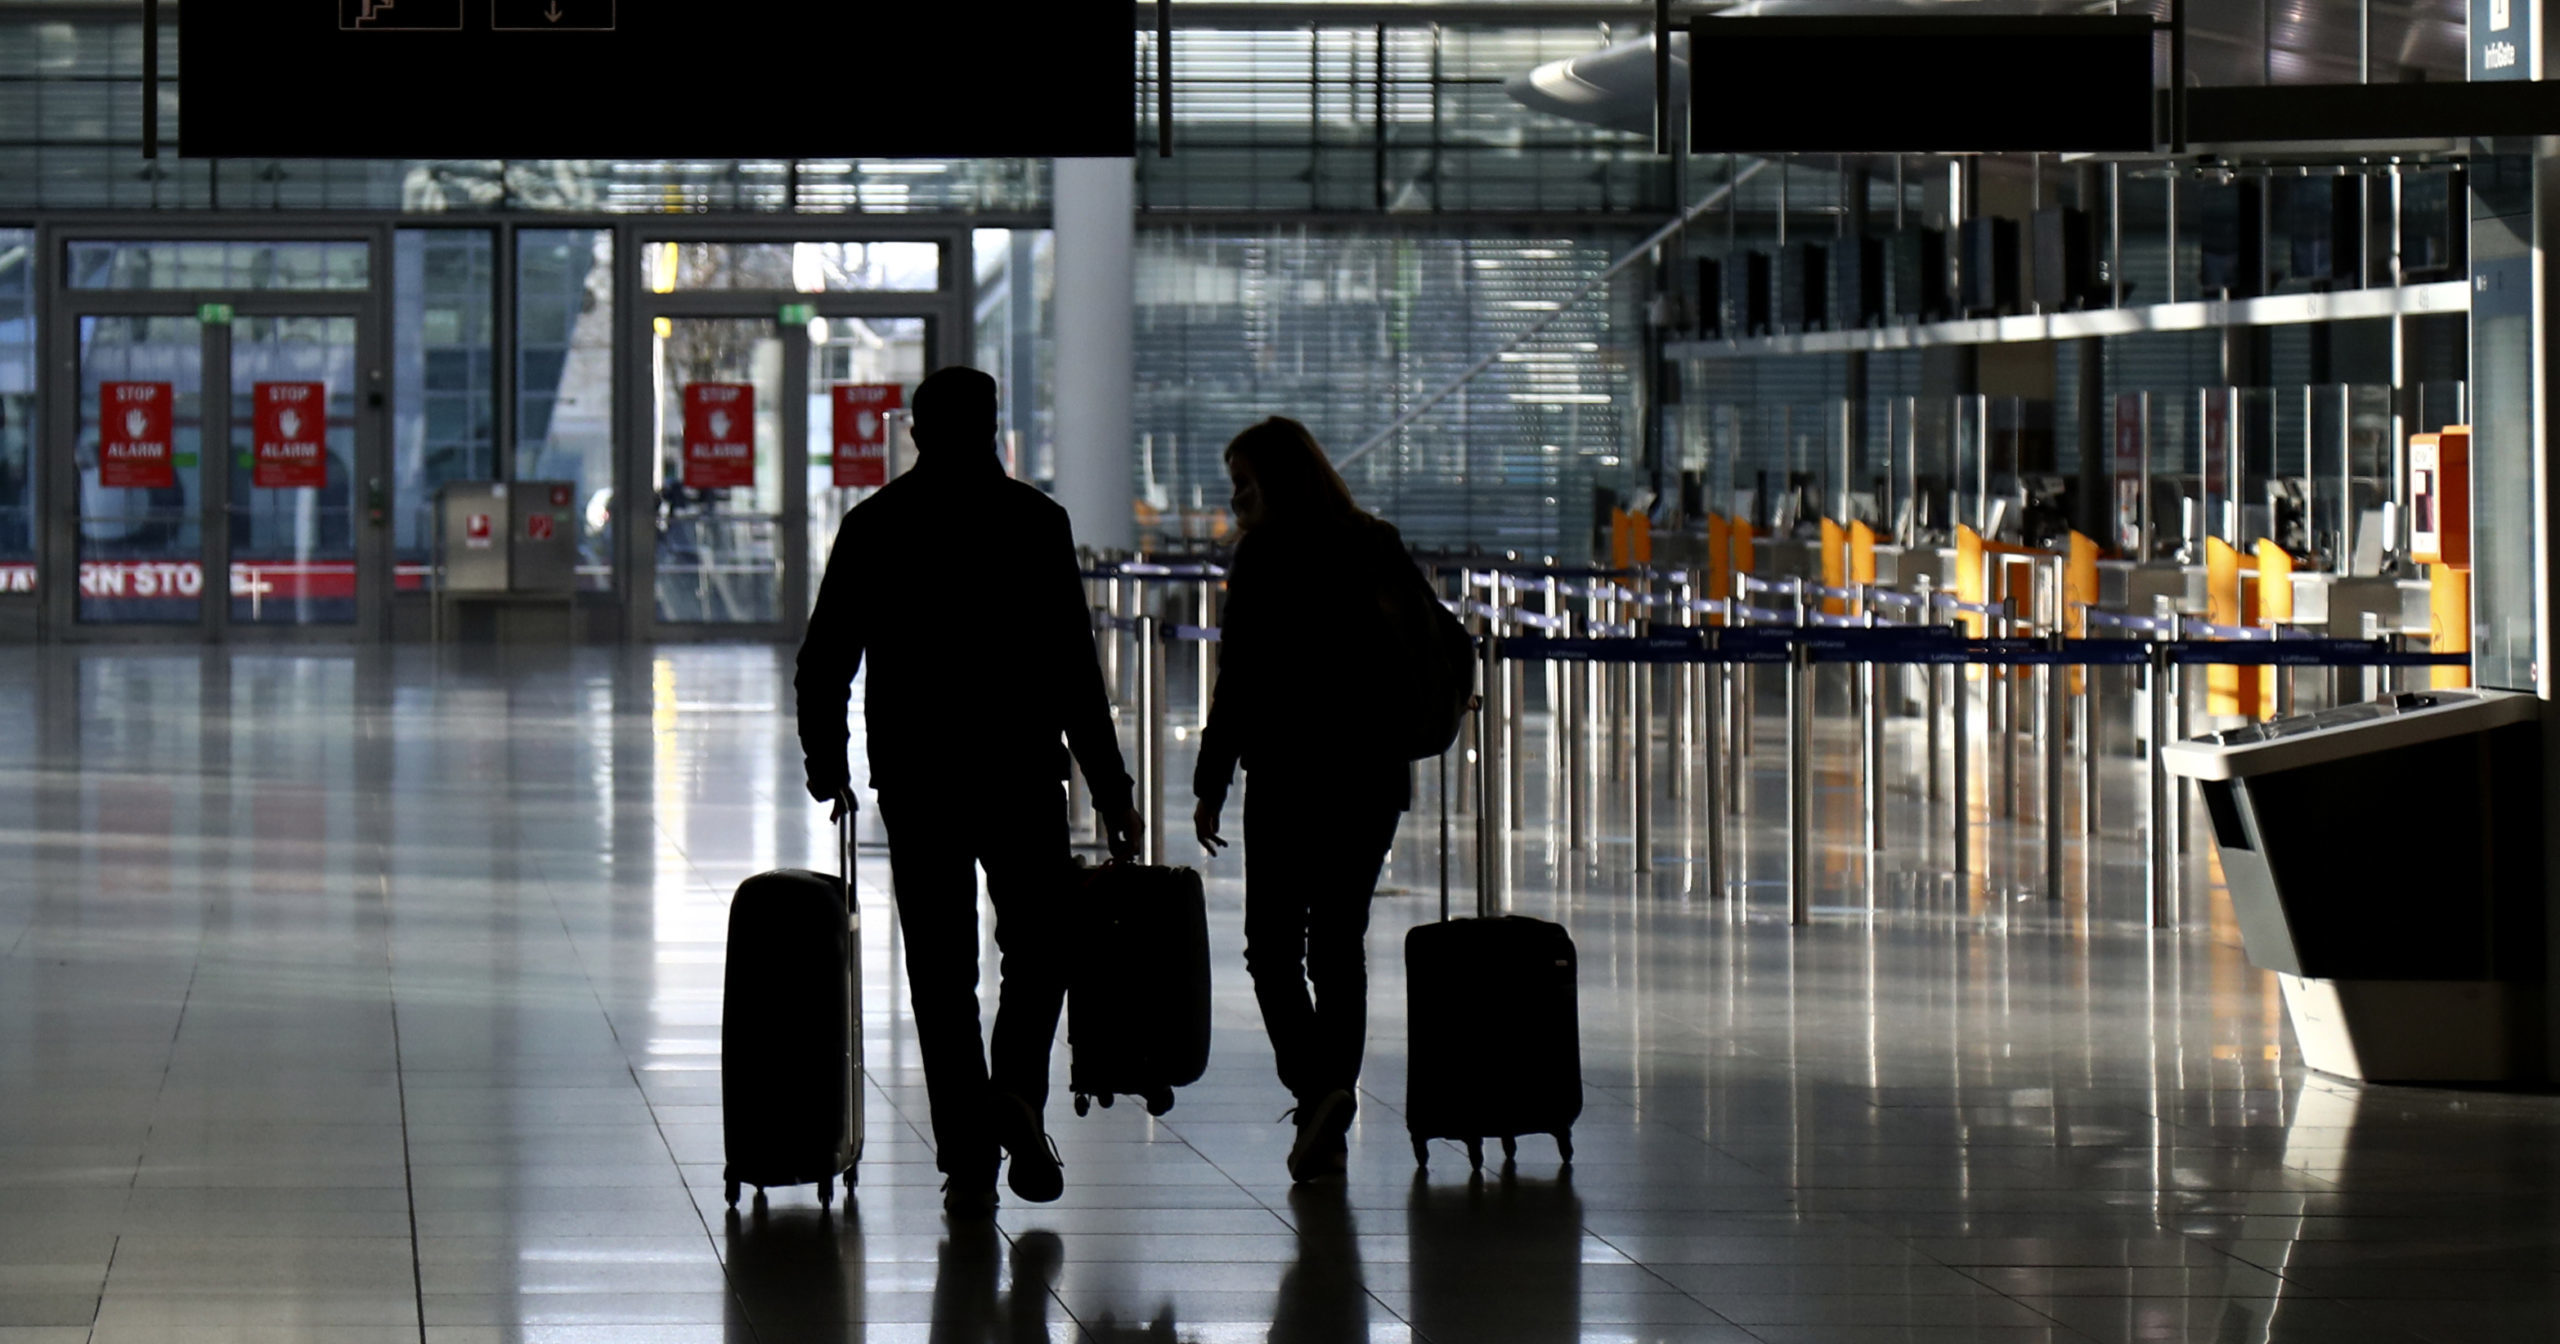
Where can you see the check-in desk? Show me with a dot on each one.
(2385, 860)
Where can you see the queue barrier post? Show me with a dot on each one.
(2057, 710)
(1799, 783)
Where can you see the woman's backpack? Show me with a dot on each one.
(1430, 675)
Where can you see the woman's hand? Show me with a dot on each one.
(1204, 819)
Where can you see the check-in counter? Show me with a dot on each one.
(2385, 860)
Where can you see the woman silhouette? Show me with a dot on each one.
(1300, 645)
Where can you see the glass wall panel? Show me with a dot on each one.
(17, 410)
(443, 398)
(1017, 274)
(807, 268)
(1343, 330)
(115, 264)
(564, 379)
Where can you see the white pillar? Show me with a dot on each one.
(1096, 214)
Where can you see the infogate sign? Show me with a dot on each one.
(862, 432)
(719, 436)
(282, 579)
(292, 427)
(133, 437)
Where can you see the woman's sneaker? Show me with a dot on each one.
(1324, 1128)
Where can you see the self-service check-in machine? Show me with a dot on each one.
(506, 560)
(2385, 860)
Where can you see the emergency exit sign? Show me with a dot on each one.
(652, 79)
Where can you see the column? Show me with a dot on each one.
(1096, 216)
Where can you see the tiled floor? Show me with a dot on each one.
(376, 998)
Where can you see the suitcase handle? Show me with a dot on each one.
(844, 810)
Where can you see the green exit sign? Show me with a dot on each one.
(214, 314)
(799, 314)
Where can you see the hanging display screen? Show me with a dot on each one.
(1921, 85)
(650, 79)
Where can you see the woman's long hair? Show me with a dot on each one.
(1298, 483)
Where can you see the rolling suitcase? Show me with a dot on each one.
(1494, 1044)
(791, 1029)
(1138, 996)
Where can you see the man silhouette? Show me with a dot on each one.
(960, 585)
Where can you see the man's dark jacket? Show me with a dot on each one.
(960, 586)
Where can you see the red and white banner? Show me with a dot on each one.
(719, 436)
(291, 436)
(133, 437)
(131, 579)
(862, 432)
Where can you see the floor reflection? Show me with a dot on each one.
(1496, 1256)
(1323, 1298)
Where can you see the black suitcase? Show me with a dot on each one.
(791, 1029)
(1138, 996)
(1494, 1034)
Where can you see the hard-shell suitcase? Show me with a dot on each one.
(791, 1029)
(1138, 996)
(1494, 1037)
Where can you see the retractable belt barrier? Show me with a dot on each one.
(1939, 646)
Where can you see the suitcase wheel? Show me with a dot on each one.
(1475, 1154)
(1084, 1104)
(1159, 1101)
(730, 1192)
(1564, 1146)
(1105, 1099)
(1510, 1150)
(1421, 1152)
(826, 1191)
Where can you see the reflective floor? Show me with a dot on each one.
(377, 999)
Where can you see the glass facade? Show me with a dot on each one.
(564, 379)
(443, 377)
(181, 265)
(805, 268)
(1017, 275)
(17, 409)
(1345, 330)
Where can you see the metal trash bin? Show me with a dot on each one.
(2385, 860)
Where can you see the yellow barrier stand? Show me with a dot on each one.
(1972, 583)
(2079, 593)
(1835, 565)
(2231, 690)
(1862, 553)
(2449, 621)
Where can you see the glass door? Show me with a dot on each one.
(263, 523)
(864, 372)
(718, 470)
(137, 456)
(291, 514)
(762, 434)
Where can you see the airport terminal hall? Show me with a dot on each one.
(1280, 672)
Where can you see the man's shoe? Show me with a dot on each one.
(1035, 1173)
(971, 1199)
(1323, 1131)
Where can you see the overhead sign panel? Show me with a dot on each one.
(1921, 85)
(651, 79)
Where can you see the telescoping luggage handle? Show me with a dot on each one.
(844, 810)
(1477, 709)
